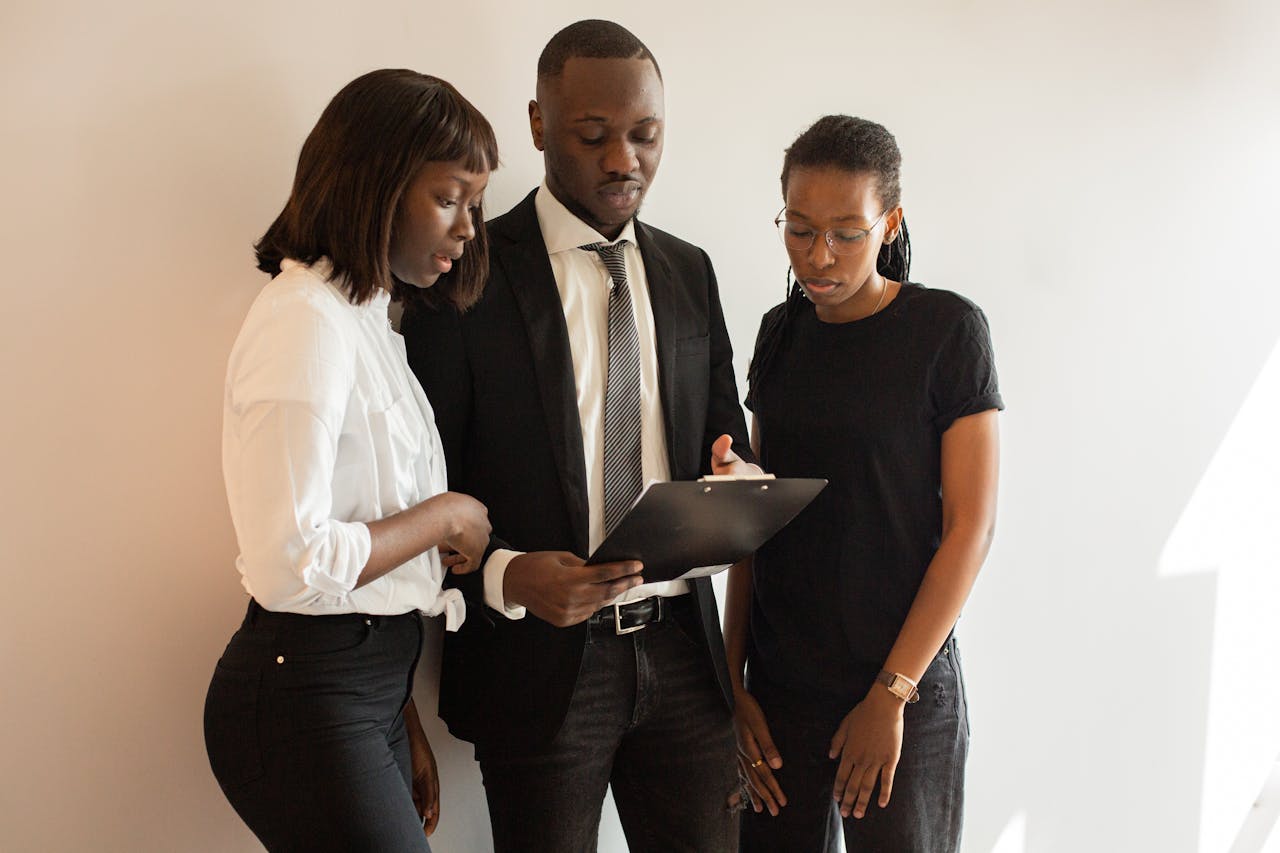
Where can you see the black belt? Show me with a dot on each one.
(634, 615)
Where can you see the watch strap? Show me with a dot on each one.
(899, 685)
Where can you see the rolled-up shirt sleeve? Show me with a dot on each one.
(289, 384)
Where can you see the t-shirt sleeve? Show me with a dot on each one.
(963, 380)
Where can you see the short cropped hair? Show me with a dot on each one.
(591, 39)
(367, 147)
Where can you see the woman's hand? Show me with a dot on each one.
(757, 756)
(868, 743)
(464, 547)
(456, 524)
(426, 781)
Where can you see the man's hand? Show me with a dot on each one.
(725, 461)
(558, 588)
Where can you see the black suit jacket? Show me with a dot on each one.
(500, 378)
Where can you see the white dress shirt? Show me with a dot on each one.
(325, 428)
(584, 284)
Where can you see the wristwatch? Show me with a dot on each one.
(899, 685)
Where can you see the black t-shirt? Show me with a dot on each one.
(863, 404)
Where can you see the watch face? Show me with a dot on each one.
(900, 687)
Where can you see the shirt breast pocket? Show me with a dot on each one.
(399, 445)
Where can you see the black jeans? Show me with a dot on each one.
(305, 734)
(647, 718)
(926, 807)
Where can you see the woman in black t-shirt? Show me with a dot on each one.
(852, 710)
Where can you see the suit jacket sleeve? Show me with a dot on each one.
(724, 413)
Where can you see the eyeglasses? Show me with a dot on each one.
(841, 241)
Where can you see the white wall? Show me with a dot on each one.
(1101, 177)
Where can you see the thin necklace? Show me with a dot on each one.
(884, 288)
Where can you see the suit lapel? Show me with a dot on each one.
(533, 285)
(662, 298)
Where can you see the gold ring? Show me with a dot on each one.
(757, 763)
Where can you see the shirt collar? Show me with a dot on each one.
(323, 270)
(562, 231)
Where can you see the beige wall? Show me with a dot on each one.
(1100, 177)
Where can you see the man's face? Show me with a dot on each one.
(599, 126)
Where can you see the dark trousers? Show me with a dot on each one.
(647, 718)
(925, 809)
(305, 733)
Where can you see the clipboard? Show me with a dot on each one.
(677, 526)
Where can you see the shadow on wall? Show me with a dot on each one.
(1227, 532)
(1200, 715)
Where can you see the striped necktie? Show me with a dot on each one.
(622, 472)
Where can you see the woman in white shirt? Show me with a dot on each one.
(335, 475)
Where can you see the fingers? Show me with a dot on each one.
(604, 582)
(763, 784)
(464, 565)
(856, 794)
(607, 572)
(558, 588)
(768, 751)
(757, 756)
(764, 761)
(426, 797)
(886, 783)
(854, 781)
(846, 782)
(431, 818)
(722, 451)
(459, 562)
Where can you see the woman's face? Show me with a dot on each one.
(434, 221)
(819, 199)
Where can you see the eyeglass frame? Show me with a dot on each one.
(826, 235)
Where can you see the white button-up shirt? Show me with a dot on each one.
(325, 428)
(584, 284)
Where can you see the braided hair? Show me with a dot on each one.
(850, 145)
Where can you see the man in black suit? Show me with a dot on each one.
(597, 359)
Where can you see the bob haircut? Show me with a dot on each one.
(369, 144)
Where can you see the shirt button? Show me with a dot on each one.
(280, 659)
(368, 622)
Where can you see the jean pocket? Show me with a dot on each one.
(323, 653)
(231, 727)
(323, 640)
(941, 691)
(962, 696)
(690, 632)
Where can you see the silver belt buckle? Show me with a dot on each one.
(617, 619)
